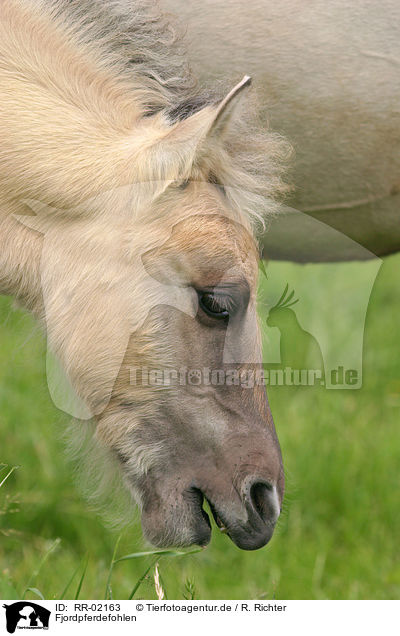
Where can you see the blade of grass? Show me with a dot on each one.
(167, 553)
(42, 562)
(35, 591)
(111, 568)
(65, 590)
(78, 591)
(137, 555)
(142, 578)
(10, 472)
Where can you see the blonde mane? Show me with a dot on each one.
(97, 72)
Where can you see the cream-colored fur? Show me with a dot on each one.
(96, 170)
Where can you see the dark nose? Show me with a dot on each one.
(261, 501)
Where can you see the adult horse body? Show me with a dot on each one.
(126, 207)
(329, 76)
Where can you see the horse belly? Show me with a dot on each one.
(328, 76)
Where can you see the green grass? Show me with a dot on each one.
(338, 536)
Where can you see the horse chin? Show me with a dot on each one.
(180, 522)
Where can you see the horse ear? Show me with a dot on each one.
(178, 149)
(227, 107)
(208, 120)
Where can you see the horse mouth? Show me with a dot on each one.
(198, 500)
(248, 535)
(217, 518)
(184, 521)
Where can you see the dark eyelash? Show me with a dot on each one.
(216, 305)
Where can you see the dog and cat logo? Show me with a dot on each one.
(26, 615)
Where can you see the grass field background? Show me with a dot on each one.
(339, 533)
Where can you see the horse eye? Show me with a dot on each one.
(215, 305)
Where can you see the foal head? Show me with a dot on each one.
(149, 294)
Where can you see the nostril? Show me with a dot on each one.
(263, 501)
